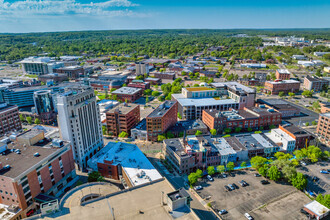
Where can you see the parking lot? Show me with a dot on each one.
(323, 184)
(260, 201)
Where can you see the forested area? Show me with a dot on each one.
(154, 43)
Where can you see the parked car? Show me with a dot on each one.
(209, 178)
(198, 187)
(264, 182)
(303, 163)
(315, 179)
(227, 188)
(257, 175)
(324, 171)
(304, 212)
(235, 186)
(231, 186)
(232, 174)
(224, 175)
(248, 216)
(242, 183)
(223, 211)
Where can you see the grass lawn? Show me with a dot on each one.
(212, 65)
(272, 66)
(292, 67)
(31, 76)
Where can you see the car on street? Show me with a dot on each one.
(248, 216)
(264, 182)
(324, 171)
(231, 186)
(303, 163)
(198, 187)
(209, 178)
(227, 188)
(223, 211)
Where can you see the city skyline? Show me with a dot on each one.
(76, 15)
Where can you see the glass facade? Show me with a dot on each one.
(43, 101)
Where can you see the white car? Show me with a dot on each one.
(198, 187)
(209, 178)
(248, 216)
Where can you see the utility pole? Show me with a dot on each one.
(111, 210)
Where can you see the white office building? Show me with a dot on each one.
(282, 139)
(80, 123)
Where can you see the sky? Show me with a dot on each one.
(20, 16)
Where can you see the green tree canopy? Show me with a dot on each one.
(198, 132)
(37, 121)
(29, 120)
(263, 169)
(210, 170)
(123, 134)
(273, 173)
(299, 181)
(221, 169)
(258, 161)
(95, 176)
(192, 178)
(230, 166)
(213, 132)
(243, 164)
(161, 137)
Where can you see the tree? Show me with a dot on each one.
(272, 126)
(307, 123)
(123, 134)
(179, 115)
(140, 77)
(238, 129)
(155, 93)
(273, 173)
(249, 129)
(324, 200)
(289, 172)
(300, 154)
(281, 94)
(199, 173)
(299, 181)
(307, 93)
(198, 132)
(258, 161)
(95, 176)
(294, 162)
(169, 135)
(147, 92)
(227, 130)
(291, 94)
(104, 129)
(210, 170)
(147, 99)
(263, 170)
(243, 164)
(192, 178)
(21, 117)
(161, 98)
(161, 137)
(230, 166)
(314, 153)
(37, 121)
(221, 169)
(29, 120)
(314, 123)
(213, 132)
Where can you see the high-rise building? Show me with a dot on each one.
(9, 118)
(80, 123)
(44, 105)
(122, 118)
(141, 68)
(323, 127)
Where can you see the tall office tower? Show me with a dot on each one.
(79, 122)
(141, 68)
(44, 105)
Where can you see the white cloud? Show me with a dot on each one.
(66, 7)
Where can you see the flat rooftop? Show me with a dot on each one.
(249, 141)
(288, 81)
(19, 163)
(161, 109)
(138, 204)
(123, 108)
(263, 140)
(283, 71)
(297, 131)
(315, 79)
(136, 165)
(127, 90)
(189, 124)
(202, 101)
(4, 106)
(197, 89)
(317, 208)
(326, 115)
(224, 147)
(176, 146)
(277, 136)
(235, 144)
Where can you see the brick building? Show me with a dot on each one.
(128, 93)
(323, 128)
(56, 77)
(72, 72)
(139, 84)
(10, 120)
(161, 119)
(122, 118)
(325, 107)
(38, 166)
(252, 117)
(301, 136)
(274, 87)
(315, 83)
(164, 75)
(282, 74)
(153, 81)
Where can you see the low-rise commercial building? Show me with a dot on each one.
(189, 127)
(139, 132)
(139, 84)
(128, 94)
(9, 119)
(323, 128)
(161, 119)
(122, 118)
(164, 75)
(316, 84)
(286, 109)
(277, 86)
(301, 136)
(282, 139)
(55, 77)
(125, 162)
(72, 72)
(35, 165)
(282, 74)
(153, 81)
(317, 210)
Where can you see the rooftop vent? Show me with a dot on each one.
(36, 154)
